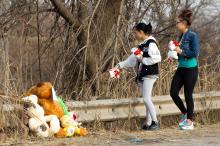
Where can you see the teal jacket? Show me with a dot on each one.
(190, 50)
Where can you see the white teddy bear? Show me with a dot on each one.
(172, 46)
(114, 73)
(137, 52)
(38, 122)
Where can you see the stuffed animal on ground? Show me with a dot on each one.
(172, 46)
(54, 105)
(38, 123)
(79, 130)
(70, 127)
(51, 103)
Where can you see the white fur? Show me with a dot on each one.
(54, 94)
(36, 115)
(54, 123)
(172, 46)
(171, 53)
(112, 73)
(34, 125)
(37, 119)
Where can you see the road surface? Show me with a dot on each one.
(208, 135)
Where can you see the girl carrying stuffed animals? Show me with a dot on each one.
(146, 56)
(187, 71)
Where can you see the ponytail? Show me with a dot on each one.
(146, 28)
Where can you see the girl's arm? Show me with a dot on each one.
(154, 54)
(131, 61)
(194, 51)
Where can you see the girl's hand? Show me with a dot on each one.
(178, 50)
(139, 57)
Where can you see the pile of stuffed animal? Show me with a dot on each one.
(48, 114)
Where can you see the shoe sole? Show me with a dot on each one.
(144, 129)
(154, 129)
(186, 128)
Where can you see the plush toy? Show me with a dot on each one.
(80, 131)
(172, 46)
(60, 101)
(70, 127)
(114, 73)
(54, 124)
(38, 122)
(54, 105)
(137, 52)
(51, 103)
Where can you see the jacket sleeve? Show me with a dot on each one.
(154, 54)
(195, 50)
(131, 61)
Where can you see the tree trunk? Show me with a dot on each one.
(65, 13)
(104, 17)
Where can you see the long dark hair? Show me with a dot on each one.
(146, 28)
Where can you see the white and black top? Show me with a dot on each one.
(148, 66)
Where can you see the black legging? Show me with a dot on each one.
(186, 77)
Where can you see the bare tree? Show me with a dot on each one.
(73, 43)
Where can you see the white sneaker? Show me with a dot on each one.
(187, 125)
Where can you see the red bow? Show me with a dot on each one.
(74, 117)
(176, 43)
(137, 51)
(116, 72)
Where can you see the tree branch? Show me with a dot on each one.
(65, 13)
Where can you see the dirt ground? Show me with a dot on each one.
(208, 135)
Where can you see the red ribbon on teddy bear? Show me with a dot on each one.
(137, 51)
(176, 43)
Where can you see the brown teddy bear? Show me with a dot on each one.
(44, 92)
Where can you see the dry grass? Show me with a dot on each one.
(13, 118)
(76, 61)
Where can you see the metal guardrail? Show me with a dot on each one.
(114, 109)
